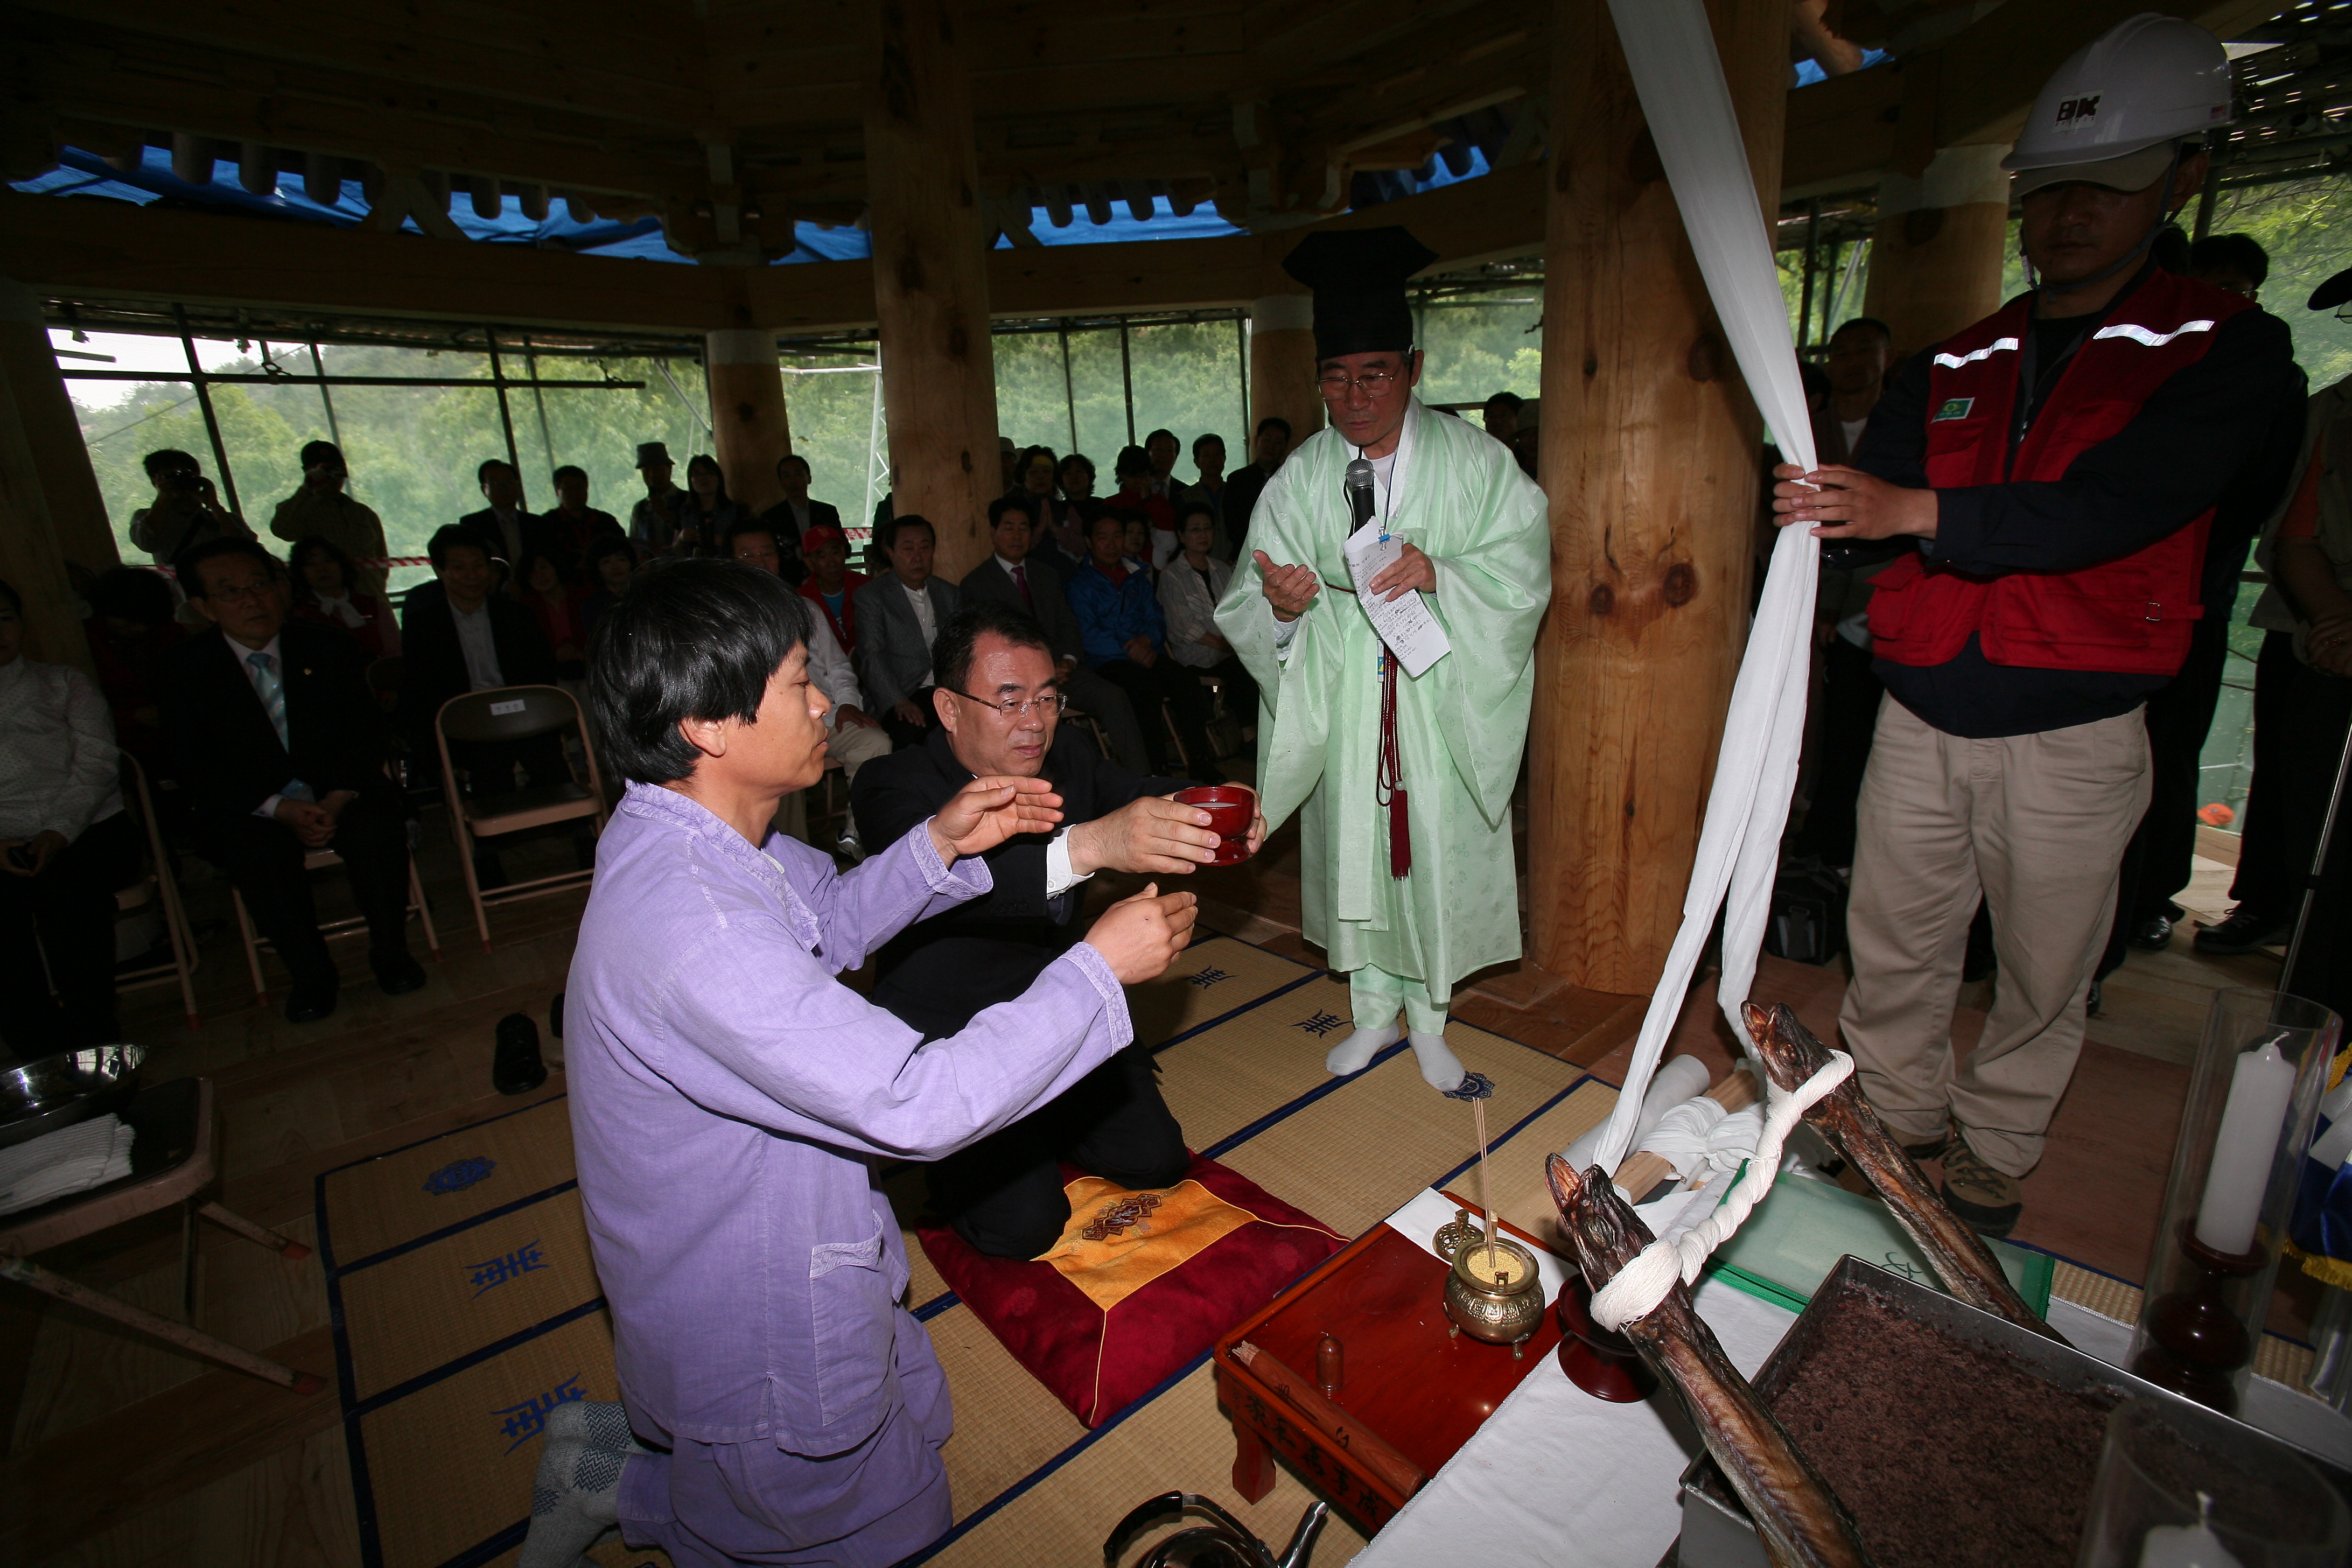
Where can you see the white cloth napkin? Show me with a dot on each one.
(70, 1160)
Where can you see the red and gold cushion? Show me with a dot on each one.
(1139, 1284)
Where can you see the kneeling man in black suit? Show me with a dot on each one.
(279, 747)
(998, 710)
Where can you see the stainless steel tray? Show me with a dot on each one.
(1716, 1531)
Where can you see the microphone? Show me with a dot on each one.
(1359, 493)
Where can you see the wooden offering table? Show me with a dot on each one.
(1409, 1392)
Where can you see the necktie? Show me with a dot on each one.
(1020, 581)
(271, 688)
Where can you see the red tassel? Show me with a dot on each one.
(1391, 773)
(1400, 835)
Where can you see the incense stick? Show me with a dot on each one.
(1485, 1200)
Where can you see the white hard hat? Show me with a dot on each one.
(2114, 112)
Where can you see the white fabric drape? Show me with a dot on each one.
(1679, 78)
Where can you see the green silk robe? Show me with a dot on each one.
(1461, 726)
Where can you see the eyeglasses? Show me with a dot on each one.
(238, 591)
(1016, 708)
(1371, 384)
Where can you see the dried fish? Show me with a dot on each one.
(1800, 1519)
(1962, 1259)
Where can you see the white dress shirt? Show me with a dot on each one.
(830, 670)
(481, 649)
(921, 598)
(57, 758)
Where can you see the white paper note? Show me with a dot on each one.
(1405, 625)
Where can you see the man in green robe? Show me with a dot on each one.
(1477, 550)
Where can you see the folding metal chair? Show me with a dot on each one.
(325, 861)
(509, 714)
(160, 886)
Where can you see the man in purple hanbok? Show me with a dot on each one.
(732, 1100)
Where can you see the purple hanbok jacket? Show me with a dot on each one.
(731, 1100)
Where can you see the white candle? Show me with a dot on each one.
(2252, 1122)
(2186, 1545)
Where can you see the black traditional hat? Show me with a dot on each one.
(1358, 277)
(2326, 297)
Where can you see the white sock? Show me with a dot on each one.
(1355, 1053)
(575, 1498)
(1439, 1064)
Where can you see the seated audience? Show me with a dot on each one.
(66, 847)
(1124, 635)
(898, 617)
(611, 566)
(1037, 468)
(131, 625)
(1136, 498)
(505, 529)
(321, 509)
(704, 512)
(1014, 575)
(1209, 459)
(1078, 509)
(1502, 416)
(1271, 444)
(280, 749)
(791, 519)
(327, 589)
(858, 737)
(831, 585)
(1138, 547)
(1189, 592)
(998, 705)
(574, 525)
(541, 588)
(467, 638)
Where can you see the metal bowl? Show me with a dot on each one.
(49, 1092)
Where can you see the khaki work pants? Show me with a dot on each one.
(2037, 824)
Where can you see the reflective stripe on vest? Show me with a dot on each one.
(2137, 334)
(1999, 345)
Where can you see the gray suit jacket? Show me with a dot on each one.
(893, 660)
(1050, 602)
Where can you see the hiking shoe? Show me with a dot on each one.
(2246, 931)
(1932, 1148)
(1989, 1200)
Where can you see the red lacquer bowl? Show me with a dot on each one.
(1232, 808)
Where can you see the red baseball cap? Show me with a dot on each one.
(823, 533)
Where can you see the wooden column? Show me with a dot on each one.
(31, 560)
(930, 277)
(1282, 364)
(1936, 252)
(1651, 456)
(748, 421)
(46, 414)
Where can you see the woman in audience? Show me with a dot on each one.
(328, 587)
(1079, 507)
(66, 847)
(540, 586)
(611, 566)
(1138, 546)
(1038, 467)
(1188, 591)
(704, 512)
(132, 622)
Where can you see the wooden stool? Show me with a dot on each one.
(171, 1162)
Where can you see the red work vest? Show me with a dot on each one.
(2128, 615)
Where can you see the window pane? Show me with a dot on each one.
(412, 450)
(1033, 402)
(833, 401)
(1101, 400)
(262, 427)
(1188, 379)
(598, 429)
(1476, 345)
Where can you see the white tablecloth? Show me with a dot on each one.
(1577, 1482)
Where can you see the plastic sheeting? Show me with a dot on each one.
(1679, 78)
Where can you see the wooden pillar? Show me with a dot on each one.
(748, 418)
(1935, 254)
(1652, 459)
(930, 278)
(31, 560)
(46, 414)
(1282, 364)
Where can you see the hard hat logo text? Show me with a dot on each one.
(2075, 109)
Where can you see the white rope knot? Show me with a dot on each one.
(1645, 1281)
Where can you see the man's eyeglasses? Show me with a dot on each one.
(1371, 384)
(1017, 708)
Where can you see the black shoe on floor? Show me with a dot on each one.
(309, 1002)
(1988, 1201)
(2153, 934)
(2246, 931)
(2093, 1002)
(516, 1067)
(396, 970)
(1931, 1150)
(555, 1016)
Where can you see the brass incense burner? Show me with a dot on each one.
(1495, 1296)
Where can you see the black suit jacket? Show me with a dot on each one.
(894, 795)
(433, 663)
(537, 534)
(223, 748)
(1048, 601)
